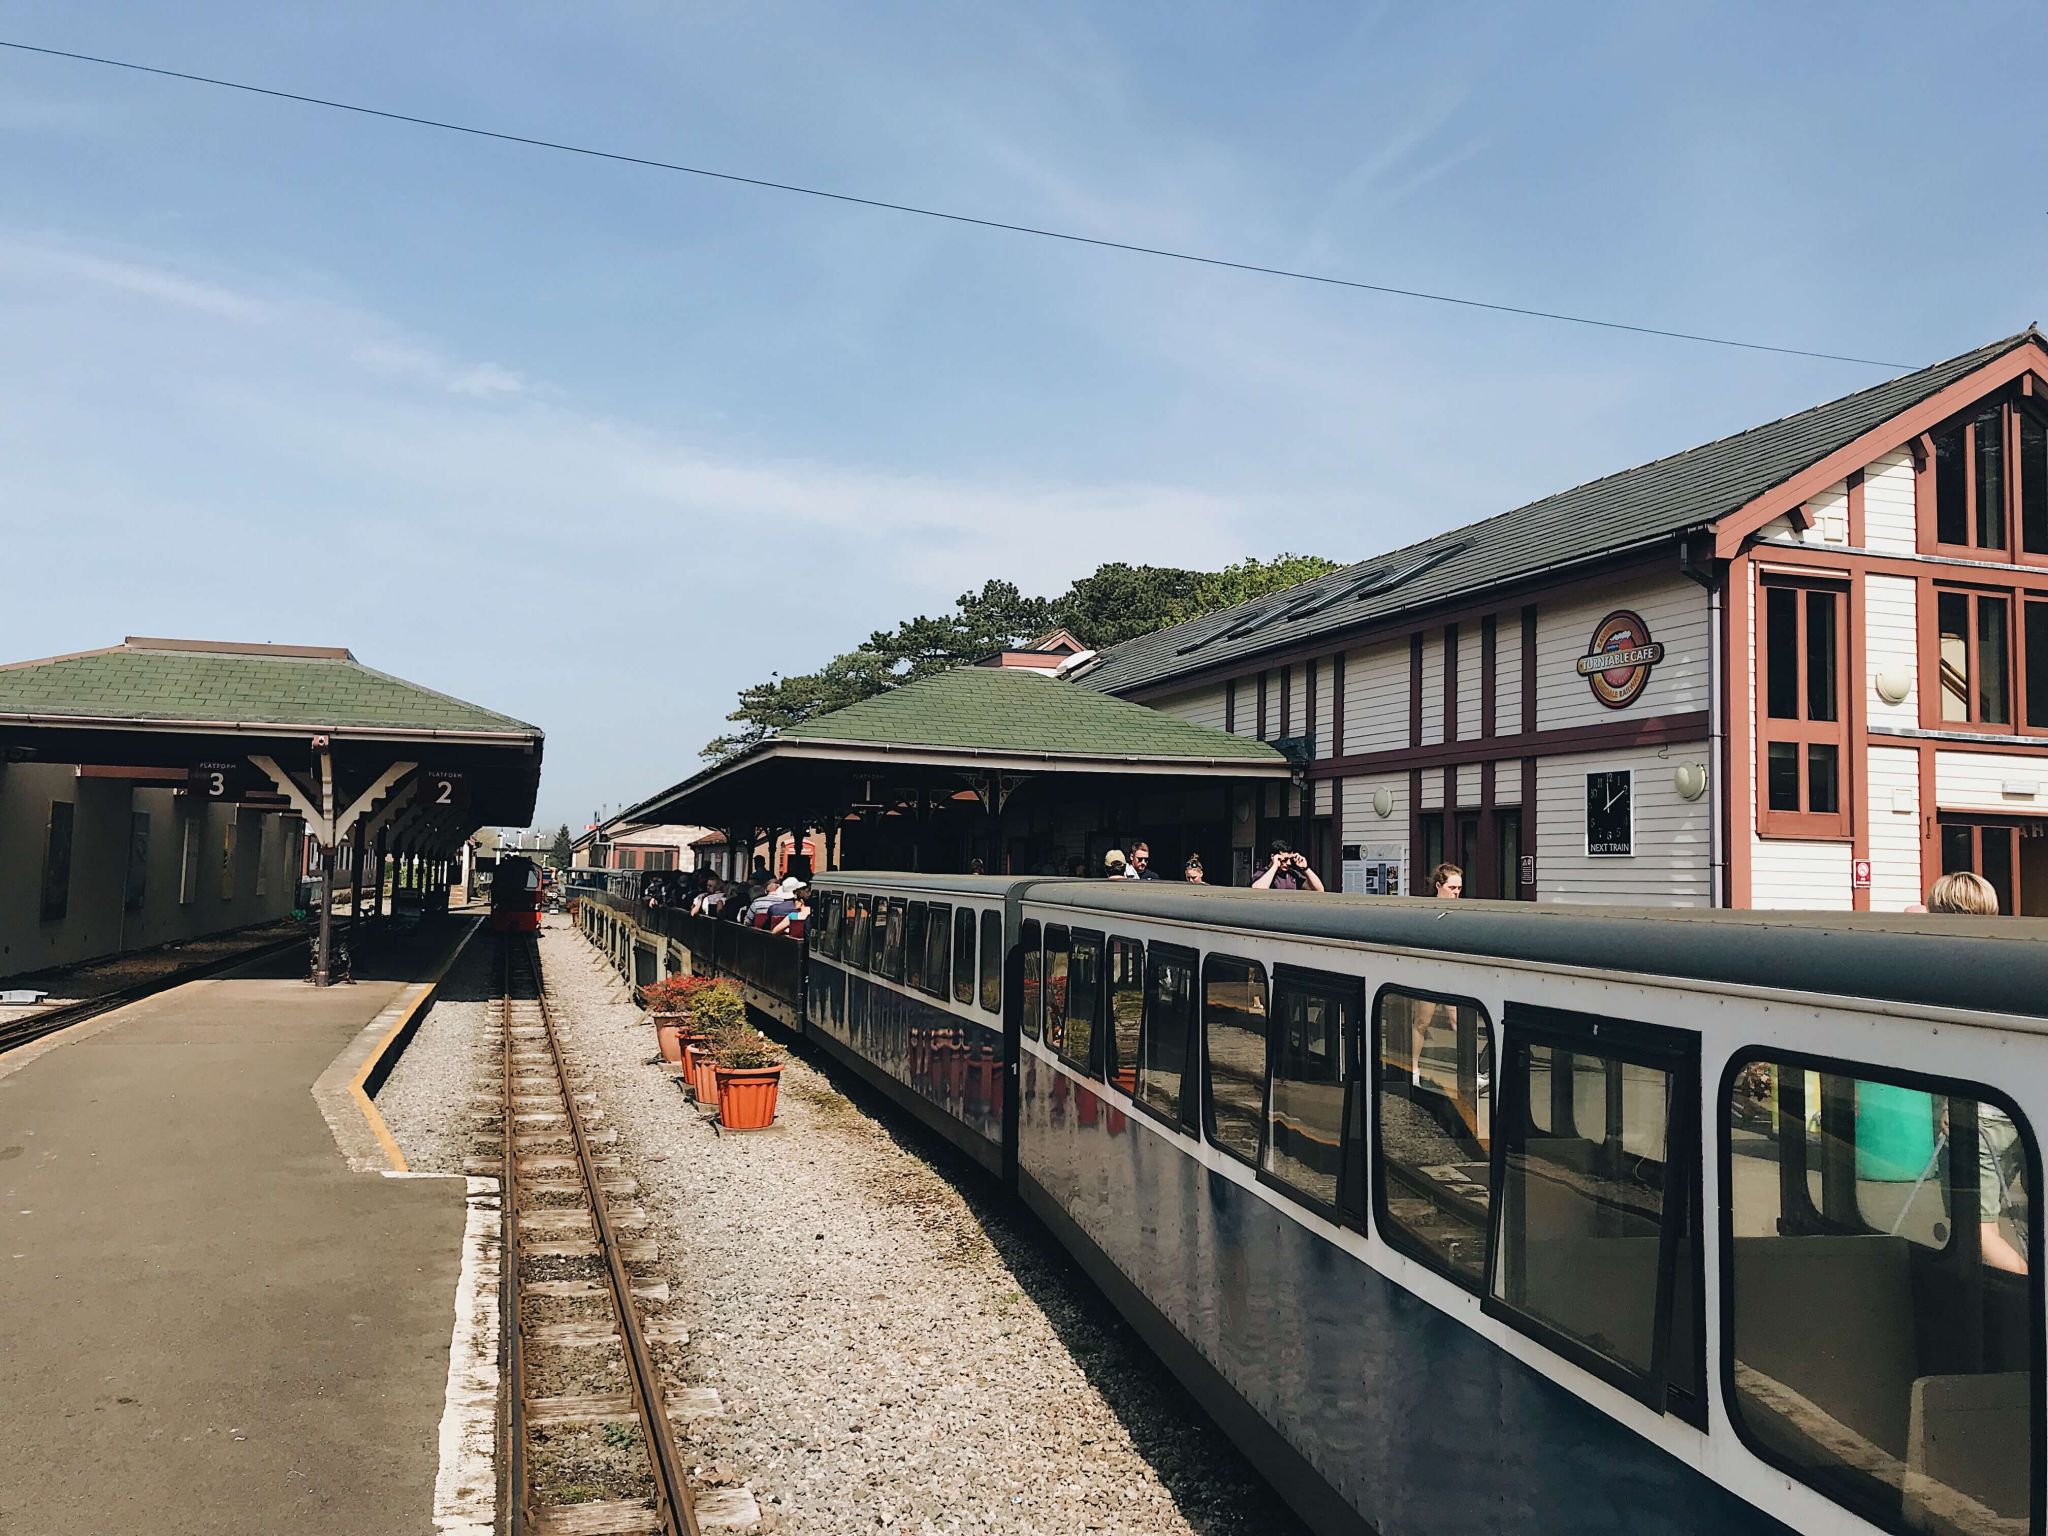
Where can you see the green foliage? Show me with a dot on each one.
(564, 848)
(1115, 603)
(748, 1048)
(720, 1012)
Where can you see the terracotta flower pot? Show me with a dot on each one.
(703, 1079)
(668, 1030)
(746, 1097)
(693, 1051)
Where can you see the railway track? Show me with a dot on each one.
(559, 1215)
(30, 1027)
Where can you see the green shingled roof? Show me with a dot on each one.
(1653, 501)
(1003, 709)
(153, 680)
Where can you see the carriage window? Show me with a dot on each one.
(1053, 995)
(1883, 1320)
(1597, 1257)
(1432, 1177)
(913, 946)
(1163, 1045)
(1034, 989)
(963, 955)
(938, 950)
(1234, 1034)
(1084, 1001)
(992, 962)
(823, 931)
(1126, 1010)
(889, 938)
(1314, 1018)
(859, 917)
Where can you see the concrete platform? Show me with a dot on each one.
(208, 1321)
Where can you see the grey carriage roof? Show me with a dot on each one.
(1993, 965)
(1651, 502)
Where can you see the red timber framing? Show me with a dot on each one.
(1789, 498)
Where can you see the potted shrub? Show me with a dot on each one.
(749, 1072)
(665, 1001)
(719, 1015)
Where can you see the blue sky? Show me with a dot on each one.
(274, 373)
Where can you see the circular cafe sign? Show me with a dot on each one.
(1618, 662)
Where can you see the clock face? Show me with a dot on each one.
(1611, 813)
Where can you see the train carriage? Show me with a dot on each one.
(1511, 1218)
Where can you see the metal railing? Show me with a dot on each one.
(770, 963)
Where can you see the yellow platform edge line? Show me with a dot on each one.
(422, 995)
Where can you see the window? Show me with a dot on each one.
(1126, 1012)
(1084, 1002)
(889, 937)
(1033, 1001)
(57, 862)
(1315, 1021)
(1507, 832)
(1882, 1317)
(1433, 1134)
(823, 929)
(938, 950)
(992, 962)
(1596, 1255)
(963, 955)
(2032, 490)
(1053, 996)
(853, 931)
(2036, 663)
(913, 945)
(1803, 728)
(1990, 476)
(1163, 1044)
(1234, 1038)
(1432, 845)
(138, 861)
(1975, 657)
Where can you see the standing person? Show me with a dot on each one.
(2000, 1154)
(1447, 881)
(1193, 872)
(1141, 863)
(1286, 870)
(1113, 864)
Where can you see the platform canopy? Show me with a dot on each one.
(961, 741)
(306, 728)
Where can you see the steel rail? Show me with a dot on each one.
(23, 1031)
(512, 1422)
(673, 1505)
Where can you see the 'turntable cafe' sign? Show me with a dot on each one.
(1617, 664)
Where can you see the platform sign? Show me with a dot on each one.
(214, 781)
(443, 790)
(1859, 874)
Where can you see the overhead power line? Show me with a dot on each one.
(1131, 247)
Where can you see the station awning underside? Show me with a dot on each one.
(980, 729)
(173, 711)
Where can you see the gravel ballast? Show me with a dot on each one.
(894, 1351)
(428, 1101)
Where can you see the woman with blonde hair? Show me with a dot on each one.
(1963, 893)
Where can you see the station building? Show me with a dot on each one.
(1802, 666)
(161, 790)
